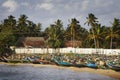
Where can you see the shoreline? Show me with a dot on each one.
(108, 72)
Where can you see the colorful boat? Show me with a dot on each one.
(62, 63)
(114, 67)
(91, 65)
(79, 65)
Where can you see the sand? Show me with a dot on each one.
(108, 72)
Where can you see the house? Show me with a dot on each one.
(72, 43)
(38, 42)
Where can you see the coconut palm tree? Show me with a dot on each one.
(55, 34)
(111, 35)
(10, 23)
(116, 25)
(73, 30)
(22, 26)
(101, 31)
(92, 20)
(99, 35)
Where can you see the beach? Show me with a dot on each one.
(107, 72)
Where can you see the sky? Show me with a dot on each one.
(48, 11)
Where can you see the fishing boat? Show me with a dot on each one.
(62, 63)
(79, 65)
(91, 64)
(114, 66)
(40, 61)
(29, 59)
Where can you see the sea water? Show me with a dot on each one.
(26, 72)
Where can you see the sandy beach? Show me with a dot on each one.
(110, 73)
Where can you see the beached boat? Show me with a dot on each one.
(113, 67)
(39, 61)
(36, 60)
(29, 59)
(62, 63)
(79, 65)
(91, 65)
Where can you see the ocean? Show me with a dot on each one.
(26, 72)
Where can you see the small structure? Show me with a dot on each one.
(38, 42)
(73, 43)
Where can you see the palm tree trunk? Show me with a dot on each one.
(94, 38)
(111, 43)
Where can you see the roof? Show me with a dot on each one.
(31, 42)
(34, 39)
(72, 43)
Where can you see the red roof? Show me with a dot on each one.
(33, 42)
(72, 43)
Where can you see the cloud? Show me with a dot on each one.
(84, 4)
(46, 6)
(47, 0)
(104, 10)
(25, 4)
(11, 5)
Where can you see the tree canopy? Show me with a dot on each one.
(98, 36)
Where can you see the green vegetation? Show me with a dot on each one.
(56, 34)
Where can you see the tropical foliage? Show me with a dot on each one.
(54, 34)
(98, 36)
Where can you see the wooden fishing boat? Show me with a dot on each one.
(114, 67)
(91, 65)
(62, 63)
(41, 62)
(79, 65)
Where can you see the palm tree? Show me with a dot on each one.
(92, 20)
(111, 35)
(72, 30)
(101, 31)
(10, 23)
(116, 25)
(22, 25)
(55, 34)
(99, 34)
(113, 32)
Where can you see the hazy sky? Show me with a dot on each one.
(48, 11)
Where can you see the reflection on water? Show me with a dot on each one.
(45, 73)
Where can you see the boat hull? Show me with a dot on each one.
(116, 68)
(91, 65)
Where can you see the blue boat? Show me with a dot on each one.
(62, 63)
(114, 67)
(91, 65)
(79, 65)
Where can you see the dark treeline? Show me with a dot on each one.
(56, 35)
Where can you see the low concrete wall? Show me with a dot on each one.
(67, 50)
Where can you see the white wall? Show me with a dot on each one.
(67, 50)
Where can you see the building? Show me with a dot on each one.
(73, 43)
(38, 42)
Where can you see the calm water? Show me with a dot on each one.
(45, 73)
